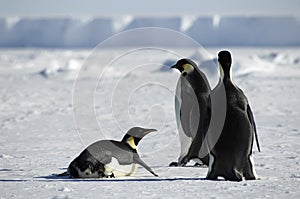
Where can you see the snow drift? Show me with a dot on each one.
(208, 31)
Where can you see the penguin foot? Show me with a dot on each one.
(176, 164)
(197, 164)
(110, 176)
(173, 164)
(183, 162)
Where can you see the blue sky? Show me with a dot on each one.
(150, 7)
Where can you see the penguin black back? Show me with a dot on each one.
(231, 157)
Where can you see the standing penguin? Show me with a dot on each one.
(231, 156)
(110, 158)
(192, 107)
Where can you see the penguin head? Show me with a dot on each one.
(185, 66)
(224, 58)
(134, 136)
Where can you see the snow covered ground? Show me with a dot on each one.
(46, 120)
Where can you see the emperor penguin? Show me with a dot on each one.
(231, 156)
(110, 158)
(192, 109)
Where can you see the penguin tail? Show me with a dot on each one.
(63, 174)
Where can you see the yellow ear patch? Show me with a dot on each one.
(188, 68)
(131, 143)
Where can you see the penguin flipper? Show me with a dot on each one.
(143, 164)
(207, 117)
(251, 118)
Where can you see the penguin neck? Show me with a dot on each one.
(131, 141)
(225, 74)
(137, 140)
(198, 81)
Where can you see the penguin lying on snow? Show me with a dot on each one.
(192, 112)
(110, 158)
(231, 156)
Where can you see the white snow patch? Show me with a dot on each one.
(65, 189)
(5, 156)
(119, 23)
(216, 21)
(70, 68)
(187, 22)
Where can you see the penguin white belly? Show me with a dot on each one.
(185, 141)
(252, 164)
(119, 170)
(210, 164)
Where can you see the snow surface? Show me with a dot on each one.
(207, 30)
(43, 128)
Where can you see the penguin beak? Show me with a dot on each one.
(147, 131)
(174, 66)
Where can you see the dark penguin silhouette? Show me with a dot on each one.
(231, 156)
(192, 107)
(110, 158)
